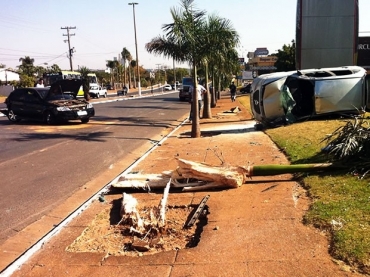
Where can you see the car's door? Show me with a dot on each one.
(33, 105)
(16, 101)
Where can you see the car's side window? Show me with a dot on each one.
(31, 97)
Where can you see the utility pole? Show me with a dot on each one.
(137, 56)
(70, 50)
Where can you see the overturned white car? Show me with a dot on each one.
(285, 97)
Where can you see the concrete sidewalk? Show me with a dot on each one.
(254, 230)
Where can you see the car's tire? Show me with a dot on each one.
(105, 95)
(85, 120)
(259, 127)
(97, 95)
(12, 116)
(49, 118)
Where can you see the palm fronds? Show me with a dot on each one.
(350, 144)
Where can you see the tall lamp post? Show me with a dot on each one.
(137, 56)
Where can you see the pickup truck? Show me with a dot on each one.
(184, 91)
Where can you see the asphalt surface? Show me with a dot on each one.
(43, 165)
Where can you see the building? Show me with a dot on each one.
(259, 62)
(8, 76)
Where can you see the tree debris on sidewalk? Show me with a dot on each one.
(194, 176)
(131, 228)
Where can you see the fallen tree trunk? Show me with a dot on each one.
(198, 176)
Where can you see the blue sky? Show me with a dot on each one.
(103, 28)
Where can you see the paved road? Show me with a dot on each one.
(42, 165)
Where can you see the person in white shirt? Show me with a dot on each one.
(200, 91)
(40, 83)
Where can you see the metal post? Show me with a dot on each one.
(137, 56)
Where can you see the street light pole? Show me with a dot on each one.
(137, 56)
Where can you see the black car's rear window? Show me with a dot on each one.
(43, 92)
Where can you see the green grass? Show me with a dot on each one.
(340, 201)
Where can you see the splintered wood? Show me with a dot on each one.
(190, 176)
(145, 230)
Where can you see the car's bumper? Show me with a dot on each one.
(184, 95)
(72, 115)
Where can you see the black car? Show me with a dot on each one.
(52, 104)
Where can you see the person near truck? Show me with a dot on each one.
(200, 91)
(40, 83)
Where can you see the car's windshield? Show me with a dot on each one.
(56, 94)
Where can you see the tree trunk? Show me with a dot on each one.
(124, 73)
(213, 92)
(205, 176)
(195, 127)
(207, 113)
(219, 88)
(129, 76)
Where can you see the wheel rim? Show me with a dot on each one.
(12, 117)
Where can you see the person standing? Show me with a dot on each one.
(40, 83)
(200, 91)
(232, 88)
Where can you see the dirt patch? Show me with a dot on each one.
(106, 234)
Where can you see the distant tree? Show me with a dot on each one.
(111, 65)
(126, 56)
(26, 81)
(2, 65)
(103, 77)
(27, 66)
(133, 64)
(85, 81)
(285, 58)
(54, 68)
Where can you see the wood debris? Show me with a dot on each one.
(146, 230)
(190, 176)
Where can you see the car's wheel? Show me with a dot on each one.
(258, 127)
(97, 95)
(105, 95)
(85, 120)
(49, 118)
(12, 116)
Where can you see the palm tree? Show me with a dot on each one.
(27, 66)
(221, 40)
(112, 65)
(183, 43)
(126, 56)
(191, 38)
